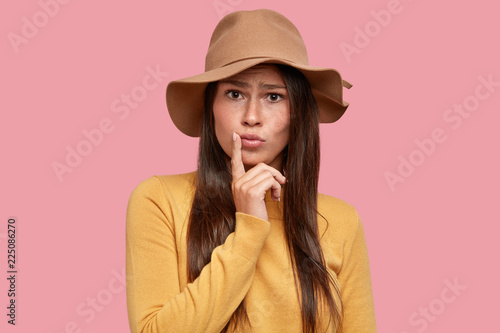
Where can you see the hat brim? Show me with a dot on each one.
(185, 97)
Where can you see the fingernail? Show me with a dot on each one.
(234, 136)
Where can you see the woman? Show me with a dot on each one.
(246, 243)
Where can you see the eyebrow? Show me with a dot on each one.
(262, 85)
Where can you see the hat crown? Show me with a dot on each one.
(261, 33)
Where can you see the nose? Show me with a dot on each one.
(252, 116)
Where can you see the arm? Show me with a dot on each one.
(155, 301)
(356, 288)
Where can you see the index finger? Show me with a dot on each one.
(237, 167)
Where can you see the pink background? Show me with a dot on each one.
(434, 228)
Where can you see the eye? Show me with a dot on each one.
(273, 97)
(233, 94)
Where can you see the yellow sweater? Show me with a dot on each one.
(253, 264)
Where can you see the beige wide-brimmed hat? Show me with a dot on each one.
(244, 39)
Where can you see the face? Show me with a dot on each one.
(255, 105)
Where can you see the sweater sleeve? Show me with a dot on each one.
(154, 299)
(356, 288)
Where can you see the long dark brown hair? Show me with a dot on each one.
(212, 216)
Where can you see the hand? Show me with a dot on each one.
(249, 188)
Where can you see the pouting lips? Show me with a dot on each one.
(250, 140)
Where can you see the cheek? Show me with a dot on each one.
(223, 130)
(282, 125)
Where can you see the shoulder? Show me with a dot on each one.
(340, 230)
(164, 192)
(337, 210)
(161, 200)
(337, 219)
(165, 185)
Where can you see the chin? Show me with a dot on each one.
(252, 158)
(251, 162)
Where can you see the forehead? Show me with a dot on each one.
(261, 72)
